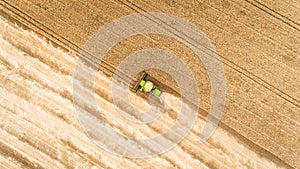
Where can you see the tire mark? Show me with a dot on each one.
(274, 14)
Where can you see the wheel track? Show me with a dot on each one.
(275, 14)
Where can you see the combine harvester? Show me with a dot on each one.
(144, 84)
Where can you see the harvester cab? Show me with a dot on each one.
(144, 84)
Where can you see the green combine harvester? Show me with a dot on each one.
(145, 85)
